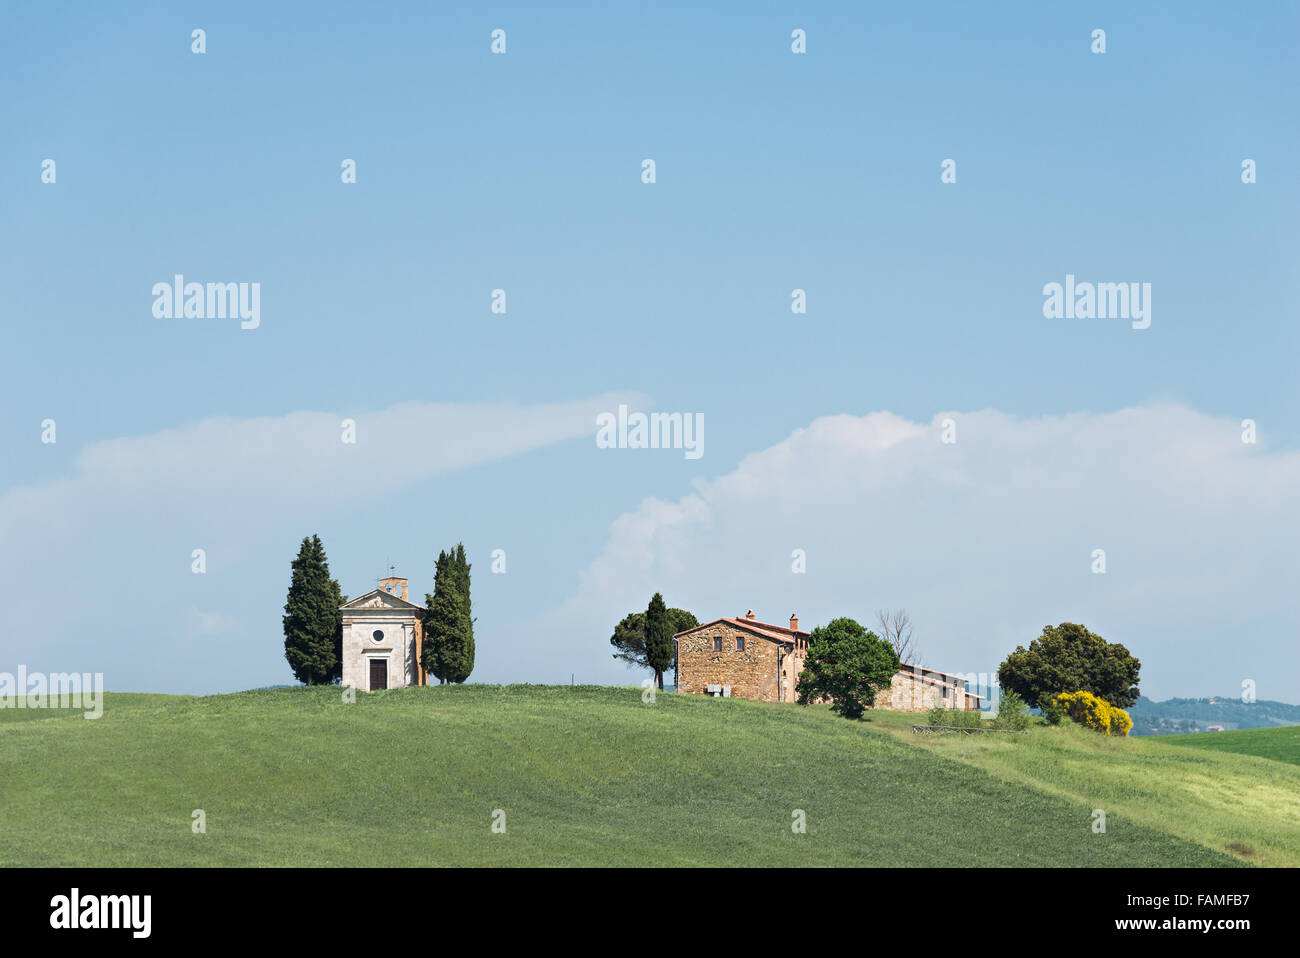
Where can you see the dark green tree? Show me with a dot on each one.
(848, 665)
(313, 625)
(448, 622)
(658, 638)
(629, 635)
(1069, 658)
(458, 651)
(439, 617)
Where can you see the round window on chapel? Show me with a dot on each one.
(378, 636)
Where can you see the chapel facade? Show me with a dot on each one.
(383, 639)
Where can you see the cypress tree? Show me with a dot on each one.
(440, 617)
(629, 635)
(658, 638)
(312, 621)
(448, 623)
(335, 599)
(458, 654)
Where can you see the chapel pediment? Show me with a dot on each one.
(379, 599)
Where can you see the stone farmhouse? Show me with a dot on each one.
(748, 659)
(741, 657)
(918, 689)
(383, 638)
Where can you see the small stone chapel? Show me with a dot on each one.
(383, 639)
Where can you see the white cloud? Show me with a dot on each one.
(103, 547)
(987, 540)
(211, 623)
(263, 464)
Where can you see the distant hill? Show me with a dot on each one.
(1181, 716)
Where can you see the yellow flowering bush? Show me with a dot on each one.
(1094, 713)
(1120, 722)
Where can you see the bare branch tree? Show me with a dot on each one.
(896, 629)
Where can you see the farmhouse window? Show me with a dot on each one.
(717, 643)
(740, 643)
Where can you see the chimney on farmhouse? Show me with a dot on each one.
(751, 616)
(794, 622)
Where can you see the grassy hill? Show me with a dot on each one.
(591, 776)
(1246, 802)
(1279, 744)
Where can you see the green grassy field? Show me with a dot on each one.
(1279, 744)
(1245, 804)
(592, 776)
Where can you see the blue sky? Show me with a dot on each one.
(775, 171)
